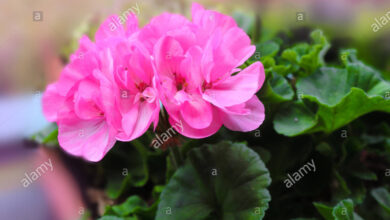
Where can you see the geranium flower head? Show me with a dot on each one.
(198, 76)
(105, 93)
(113, 90)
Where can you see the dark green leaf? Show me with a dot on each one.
(223, 181)
(382, 196)
(324, 210)
(129, 206)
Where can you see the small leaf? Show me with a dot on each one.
(308, 57)
(324, 210)
(276, 90)
(343, 210)
(129, 206)
(47, 136)
(382, 196)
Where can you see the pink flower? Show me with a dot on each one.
(197, 72)
(111, 89)
(105, 93)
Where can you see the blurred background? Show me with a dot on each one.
(37, 37)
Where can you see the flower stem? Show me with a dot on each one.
(175, 155)
(173, 158)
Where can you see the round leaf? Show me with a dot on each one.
(223, 181)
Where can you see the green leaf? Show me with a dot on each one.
(294, 118)
(276, 90)
(344, 189)
(338, 95)
(290, 55)
(283, 69)
(363, 173)
(382, 196)
(348, 56)
(308, 56)
(223, 181)
(324, 210)
(325, 149)
(342, 211)
(132, 204)
(267, 49)
(47, 136)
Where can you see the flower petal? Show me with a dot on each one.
(111, 27)
(236, 89)
(141, 121)
(247, 119)
(159, 26)
(52, 102)
(187, 130)
(91, 139)
(238, 42)
(197, 112)
(169, 54)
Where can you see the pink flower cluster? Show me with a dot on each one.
(112, 88)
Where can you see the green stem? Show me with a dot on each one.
(175, 155)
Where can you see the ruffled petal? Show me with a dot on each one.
(141, 121)
(91, 139)
(239, 43)
(187, 130)
(52, 102)
(168, 55)
(244, 118)
(159, 26)
(236, 89)
(111, 27)
(197, 112)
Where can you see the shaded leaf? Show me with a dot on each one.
(276, 90)
(382, 196)
(223, 181)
